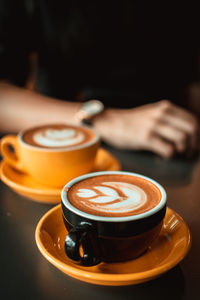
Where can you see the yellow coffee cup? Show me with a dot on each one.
(52, 167)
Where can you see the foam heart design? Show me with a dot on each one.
(58, 138)
(60, 134)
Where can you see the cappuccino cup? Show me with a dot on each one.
(111, 216)
(52, 154)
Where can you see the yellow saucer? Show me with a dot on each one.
(24, 185)
(167, 251)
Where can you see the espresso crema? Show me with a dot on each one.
(114, 195)
(58, 136)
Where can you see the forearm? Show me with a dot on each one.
(21, 108)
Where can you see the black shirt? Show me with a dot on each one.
(123, 52)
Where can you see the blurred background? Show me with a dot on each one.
(127, 52)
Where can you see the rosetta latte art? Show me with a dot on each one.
(115, 197)
(58, 138)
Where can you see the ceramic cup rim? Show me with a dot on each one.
(63, 149)
(80, 213)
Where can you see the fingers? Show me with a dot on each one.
(177, 126)
(161, 127)
(173, 135)
(160, 146)
(178, 117)
(185, 124)
(188, 128)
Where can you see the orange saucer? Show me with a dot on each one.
(169, 249)
(24, 185)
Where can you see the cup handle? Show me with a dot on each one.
(83, 236)
(11, 157)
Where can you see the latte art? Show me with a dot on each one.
(58, 138)
(114, 196)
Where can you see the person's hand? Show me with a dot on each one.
(161, 127)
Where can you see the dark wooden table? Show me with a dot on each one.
(25, 274)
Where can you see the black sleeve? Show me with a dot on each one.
(15, 38)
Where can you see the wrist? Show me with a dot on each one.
(105, 122)
(88, 111)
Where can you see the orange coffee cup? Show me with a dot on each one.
(52, 167)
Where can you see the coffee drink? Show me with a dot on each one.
(58, 136)
(111, 216)
(52, 154)
(115, 195)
